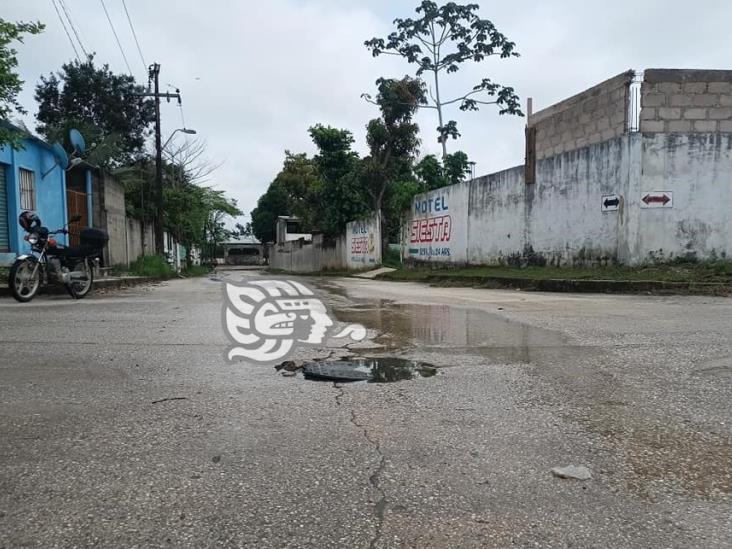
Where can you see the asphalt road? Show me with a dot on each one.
(121, 424)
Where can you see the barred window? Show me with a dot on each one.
(27, 190)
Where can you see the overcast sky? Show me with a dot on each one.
(255, 74)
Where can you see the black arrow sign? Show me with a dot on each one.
(609, 202)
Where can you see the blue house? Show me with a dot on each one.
(29, 180)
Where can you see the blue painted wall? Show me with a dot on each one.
(37, 157)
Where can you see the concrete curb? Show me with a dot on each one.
(107, 283)
(579, 285)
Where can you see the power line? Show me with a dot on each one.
(134, 34)
(119, 44)
(65, 29)
(73, 27)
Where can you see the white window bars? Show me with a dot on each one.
(27, 190)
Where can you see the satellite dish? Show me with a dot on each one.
(77, 141)
(62, 159)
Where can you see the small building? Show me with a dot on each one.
(288, 228)
(244, 250)
(30, 179)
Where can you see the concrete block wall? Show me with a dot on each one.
(686, 101)
(560, 219)
(595, 115)
(683, 149)
(497, 219)
(565, 224)
(295, 256)
(358, 248)
(114, 221)
(496, 216)
(697, 169)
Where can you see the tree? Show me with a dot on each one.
(10, 83)
(393, 138)
(398, 203)
(393, 143)
(342, 197)
(440, 41)
(195, 215)
(295, 191)
(189, 162)
(111, 104)
(218, 208)
(272, 204)
(325, 191)
(456, 167)
(300, 181)
(433, 174)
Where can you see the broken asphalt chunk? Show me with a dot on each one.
(570, 471)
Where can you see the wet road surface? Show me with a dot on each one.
(122, 425)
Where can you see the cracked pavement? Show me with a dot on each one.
(123, 426)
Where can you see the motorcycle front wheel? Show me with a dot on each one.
(24, 280)
(79, 289)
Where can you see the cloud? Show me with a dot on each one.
(255, 75)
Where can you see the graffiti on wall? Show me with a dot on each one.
(363, 242)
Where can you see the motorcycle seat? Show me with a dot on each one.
(75, 251)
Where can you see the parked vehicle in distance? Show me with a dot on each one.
(52, 263)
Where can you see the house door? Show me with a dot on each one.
(4, 230)
(76, 205)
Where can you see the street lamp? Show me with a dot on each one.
(159, 213)
(182, 130)
(188, 131)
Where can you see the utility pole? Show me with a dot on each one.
(159, 210)
(154, 76)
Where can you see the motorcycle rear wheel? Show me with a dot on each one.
(79, 289)
(24, 285)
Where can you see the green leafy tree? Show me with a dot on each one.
(295, 191)
(10, 83)
(393, 141)
(107, 105)
(272, 204)
(196, 217)
(300, 180)
(398, 204)
(342, 197)
(219, 208)
(393, 138)
(439, 41)
(456, 167)
(429, 173)
(433, 174)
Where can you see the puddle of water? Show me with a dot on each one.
(372, 370)
(441, 328)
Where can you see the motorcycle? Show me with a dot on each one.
(52, 263)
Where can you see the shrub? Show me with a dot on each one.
(151, 266)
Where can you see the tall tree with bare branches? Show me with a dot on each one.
(189, 162)
(440, 41)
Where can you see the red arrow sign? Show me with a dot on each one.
(656, 199)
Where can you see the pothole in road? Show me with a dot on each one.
(371, 370)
